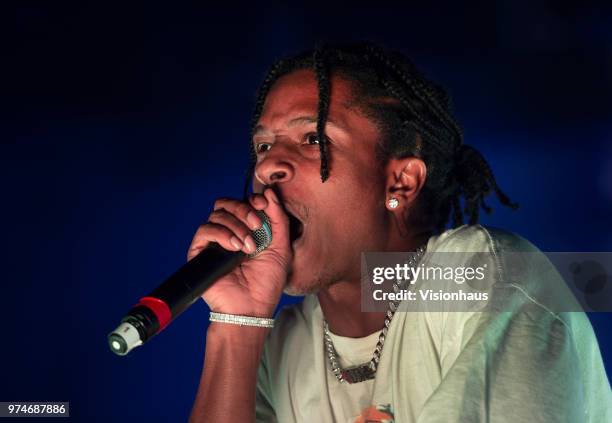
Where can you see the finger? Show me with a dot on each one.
(197, 244)
(258, 201)
(240, 230)
(212, 232)
(279, 220)
(242, 211)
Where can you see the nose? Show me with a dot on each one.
(275, 167)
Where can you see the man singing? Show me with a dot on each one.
(353, 150)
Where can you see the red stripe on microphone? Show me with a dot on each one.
(159, 308)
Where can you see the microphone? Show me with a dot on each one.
(157, 310)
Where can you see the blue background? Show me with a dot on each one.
(122, 123)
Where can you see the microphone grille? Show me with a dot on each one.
(263, 235)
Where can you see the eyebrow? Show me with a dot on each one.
(301, 120)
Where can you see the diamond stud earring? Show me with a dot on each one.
(393, 202)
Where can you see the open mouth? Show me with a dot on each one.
(296, 227)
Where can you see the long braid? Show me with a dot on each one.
(477, 180)
(423, 126)
(322, 73)
(416, 83)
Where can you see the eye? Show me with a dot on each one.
(262, 147)
(312, 138)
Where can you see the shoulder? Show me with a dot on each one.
(479, 238)
(511, 260)
(525, 284)
(517, 277)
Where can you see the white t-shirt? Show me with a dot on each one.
(524, 364)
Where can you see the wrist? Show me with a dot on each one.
(261, 311)
(241, 320)
(236, 336)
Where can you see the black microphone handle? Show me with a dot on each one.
(188, 283)
(155, 311)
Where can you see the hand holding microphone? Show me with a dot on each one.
(255, 287)
(219, 271)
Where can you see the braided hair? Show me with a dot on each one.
(418, 121)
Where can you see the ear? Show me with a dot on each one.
(404, 180)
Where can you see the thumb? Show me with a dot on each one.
(279, 221)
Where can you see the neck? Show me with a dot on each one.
(341, 302)
(341, 306)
